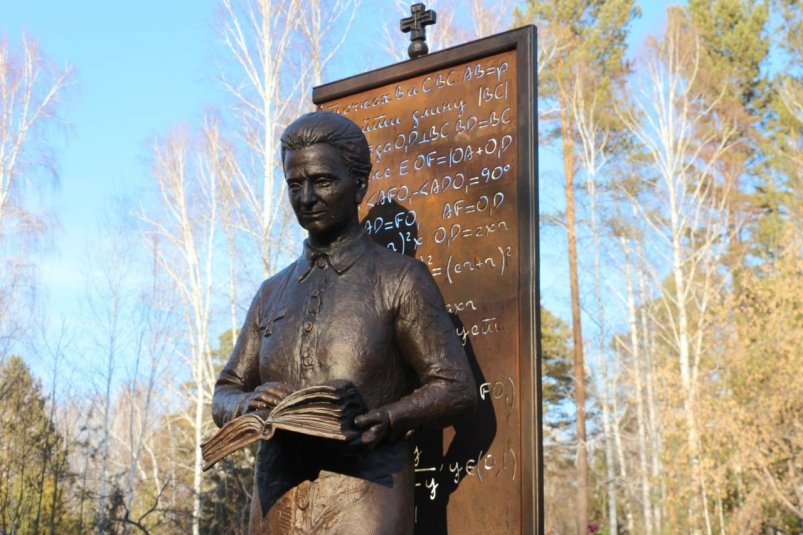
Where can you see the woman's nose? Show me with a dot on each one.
(307, 194)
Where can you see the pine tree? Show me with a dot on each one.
(35, 479)
(590, 35)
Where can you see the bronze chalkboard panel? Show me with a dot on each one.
(453, 146)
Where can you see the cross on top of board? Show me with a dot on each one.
(416, 25)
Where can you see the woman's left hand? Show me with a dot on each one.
(376, 425)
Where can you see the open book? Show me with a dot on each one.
(326, 411)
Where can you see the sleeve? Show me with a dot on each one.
(428, 341)
(240, 375)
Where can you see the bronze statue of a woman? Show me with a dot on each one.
(350, 309)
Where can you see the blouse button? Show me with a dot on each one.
(302, 496)
(308, 326)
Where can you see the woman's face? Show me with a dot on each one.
(323, 193)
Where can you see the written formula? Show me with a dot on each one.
(403, 219)
(492, 93)
(453, 156)
(416, 137)
(399, 231)
(360, 104)
(456, 155)
(493, 119)
(405, 140)
(457, 231)
(434, 186)
(370, 124)
(459, 181)
(432, 133)
(482, 466)
(454, 268)
(484, 204)
(452, 77)
(505, 390)
(403, 241)
(485, 464)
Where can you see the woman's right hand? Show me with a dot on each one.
(267, 396)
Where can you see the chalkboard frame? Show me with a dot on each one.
(524, 42)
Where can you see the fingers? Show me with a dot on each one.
(376, 424)
(373, 436)
(370, 418)
(280, 389)
(259, 403)
(268, 395)
(367, 440)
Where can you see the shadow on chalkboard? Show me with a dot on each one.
(393, 226)
(437, 475)
(472, 439)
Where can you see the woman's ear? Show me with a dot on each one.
(361, 188)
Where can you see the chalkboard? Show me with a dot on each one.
(453, 144)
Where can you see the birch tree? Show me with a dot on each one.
(149, 370)
(132, 330)
(591, 37)
(489, 18)
(323, 33)
(188, 226)
(593, 136)
(274, 52)
(231, 193)
(268, 83)
(687, 216)
(637, 367)
(32, 89)
(106, 284)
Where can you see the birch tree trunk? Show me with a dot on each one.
(105, 284)
(188, 226)
(654, 428)
(635, 351)
(593, 143)
(677, 131)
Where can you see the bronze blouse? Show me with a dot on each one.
(360, 312)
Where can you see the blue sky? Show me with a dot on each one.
(141, 67)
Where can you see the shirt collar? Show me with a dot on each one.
(340, 255)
